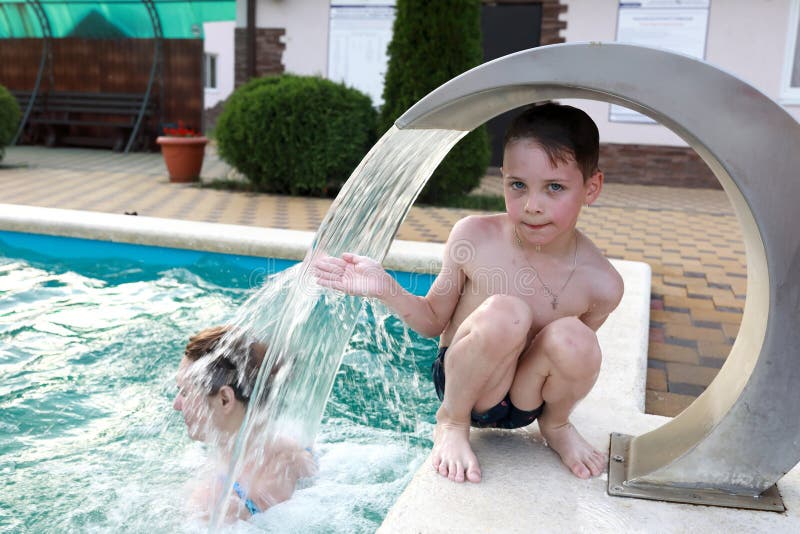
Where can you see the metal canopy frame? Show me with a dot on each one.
(743, 433)
(47, 62)
(155, 70)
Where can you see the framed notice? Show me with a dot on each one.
(360, 31)
(676, 25)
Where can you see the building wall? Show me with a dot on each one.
(269, 53)
(219, 41)
(745, 37)
(306, 31)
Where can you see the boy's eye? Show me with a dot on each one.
(555, 187)
(517, 185)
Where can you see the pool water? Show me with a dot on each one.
(89, 348)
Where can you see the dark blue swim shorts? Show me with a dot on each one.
(502, 415)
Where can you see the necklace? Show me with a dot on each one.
(545, 288)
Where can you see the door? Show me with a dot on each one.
(507, 28)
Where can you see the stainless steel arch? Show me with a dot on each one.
(743, 433)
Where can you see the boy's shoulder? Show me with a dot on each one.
(476, 226)
(606, 281)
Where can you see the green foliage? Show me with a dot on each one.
(9, 118)
(296, 135)
(476, 202)
(432, 43)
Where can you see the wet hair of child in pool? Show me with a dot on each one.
(518, 299)
(215, 381)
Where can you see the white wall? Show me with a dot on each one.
(306, 24)
(219, 40)
(745, 37)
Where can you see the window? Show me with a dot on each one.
(210, 71)
(790, 86)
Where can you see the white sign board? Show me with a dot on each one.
(675, 25)
(360, 32)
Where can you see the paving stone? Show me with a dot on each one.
(657, 334)
(715, 363)
(686, 389)
(712, 349)
(664, 403)
(690, 374)
(672, 353)
(670, 317)
(730, 330)
(656, 379)
(667, 290)
(694, 332)
(716, 316)
(672, 301)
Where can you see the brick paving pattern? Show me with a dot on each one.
(690, 238)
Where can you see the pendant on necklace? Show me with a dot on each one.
(554, 302)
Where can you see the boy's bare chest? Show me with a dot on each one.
(551, 292)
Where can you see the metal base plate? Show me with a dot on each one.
(770, 500)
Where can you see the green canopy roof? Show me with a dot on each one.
(111, 19)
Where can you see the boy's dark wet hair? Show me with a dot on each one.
(236, 367)
(563, 132)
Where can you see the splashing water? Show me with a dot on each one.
(307, 340)
(90, 443)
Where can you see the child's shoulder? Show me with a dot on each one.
(475, 226)
(605, 279)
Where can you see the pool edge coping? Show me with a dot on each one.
(410, 256)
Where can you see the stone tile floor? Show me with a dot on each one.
(690, 237)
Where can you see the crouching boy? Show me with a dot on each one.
(518, 300)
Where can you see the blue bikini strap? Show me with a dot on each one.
(251, 507)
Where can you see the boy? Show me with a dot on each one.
(518, 300)
(215, 381)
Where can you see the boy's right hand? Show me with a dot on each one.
(354, 275)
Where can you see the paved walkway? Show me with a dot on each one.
(690, 238)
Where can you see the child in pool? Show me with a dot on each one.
(518, 300)
(215, 380)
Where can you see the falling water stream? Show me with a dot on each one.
(308, 339)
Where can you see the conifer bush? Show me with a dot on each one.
(432, 43)
(9, 119)
(297, 135)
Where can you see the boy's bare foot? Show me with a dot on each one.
(581, 458)
(452, 455)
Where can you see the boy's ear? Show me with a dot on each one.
(593, 186)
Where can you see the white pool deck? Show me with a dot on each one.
(525, 488)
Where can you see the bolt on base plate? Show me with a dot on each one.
(770, 500)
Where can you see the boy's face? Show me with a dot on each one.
(543, 201)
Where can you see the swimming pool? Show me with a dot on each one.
(90, 336)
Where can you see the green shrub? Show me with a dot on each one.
(9, 119)
(296, 134)
(432, 43)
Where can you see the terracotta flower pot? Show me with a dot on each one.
(183, 156)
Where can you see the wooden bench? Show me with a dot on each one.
(58, 110)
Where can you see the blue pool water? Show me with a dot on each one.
(91, 333)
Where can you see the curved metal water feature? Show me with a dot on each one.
(743, 433)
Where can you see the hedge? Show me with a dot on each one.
(297, 135)
(9, 119)
(432, 43)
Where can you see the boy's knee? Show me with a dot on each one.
(503, 321)
(572, 345)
